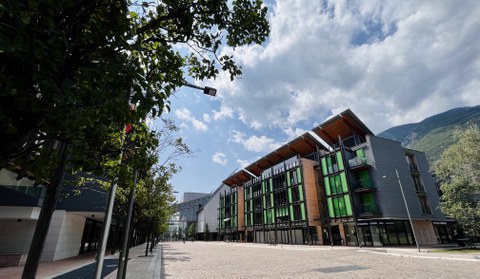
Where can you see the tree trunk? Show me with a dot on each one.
(126, 231)
(45, 217)
(148, 241)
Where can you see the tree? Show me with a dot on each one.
(192, 230)
(68, 69)
(458, 172)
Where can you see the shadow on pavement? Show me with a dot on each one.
(340, 268)
(88, 271)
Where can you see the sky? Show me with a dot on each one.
(390, 62)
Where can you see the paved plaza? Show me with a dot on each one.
(239, 260)
(246, 260)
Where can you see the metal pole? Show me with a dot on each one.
(408, 211)
(126, 229)
(105, 231)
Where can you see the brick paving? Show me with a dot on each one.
(246, 260)
(239, 260)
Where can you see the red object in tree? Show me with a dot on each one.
(128, 129)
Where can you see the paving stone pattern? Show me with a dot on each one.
(239, 260)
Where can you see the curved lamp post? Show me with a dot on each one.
(406, 206)
(206, 90)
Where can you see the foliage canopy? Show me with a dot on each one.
(459, 174)
(68, 69)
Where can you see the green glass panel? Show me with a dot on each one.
(327, 186)
(360, 153)
(288, 179)
(271, 184)
(332, 185)
(300, 192)
(271, 200)
(364, 179)
(299, 176)
(341, 207)
(335, 207)
(343, 179)
(339, 160)
(338, 184)
(330, 208)
(302, 207)
(348, 205)
(291, 213)
(324, 166)
(368, 198)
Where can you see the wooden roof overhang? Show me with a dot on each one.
(342, 125)
(238, 178)
(303, 145)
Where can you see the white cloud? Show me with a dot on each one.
(206, 118)
(219, 158)
(185, 115)
(293, 133)
(254, 143)
(391, 62)
(243, 163)
(225, 112)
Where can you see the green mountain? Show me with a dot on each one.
(434, 134)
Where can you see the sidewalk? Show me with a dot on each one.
(83, 266)
(142, 267)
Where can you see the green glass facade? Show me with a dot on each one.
(275, 209)
(228, 215)
(336, 186)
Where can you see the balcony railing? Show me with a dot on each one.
(358, 162)
(364, 185)
(369, 210)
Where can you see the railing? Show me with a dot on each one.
(370, 209)
(357, 161)
(363, 184)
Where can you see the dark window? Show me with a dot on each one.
(417, 182)
(425, 206)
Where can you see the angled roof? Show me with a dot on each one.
(342, 125)
(302, 145)
(238, 178)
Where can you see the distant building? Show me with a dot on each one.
(207, 220)
(186, 211)
(335, 185)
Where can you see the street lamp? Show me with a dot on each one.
(206, 90)
(406, 207)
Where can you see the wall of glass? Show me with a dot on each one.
(385, 233)
(336, 186)
(275, 205)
